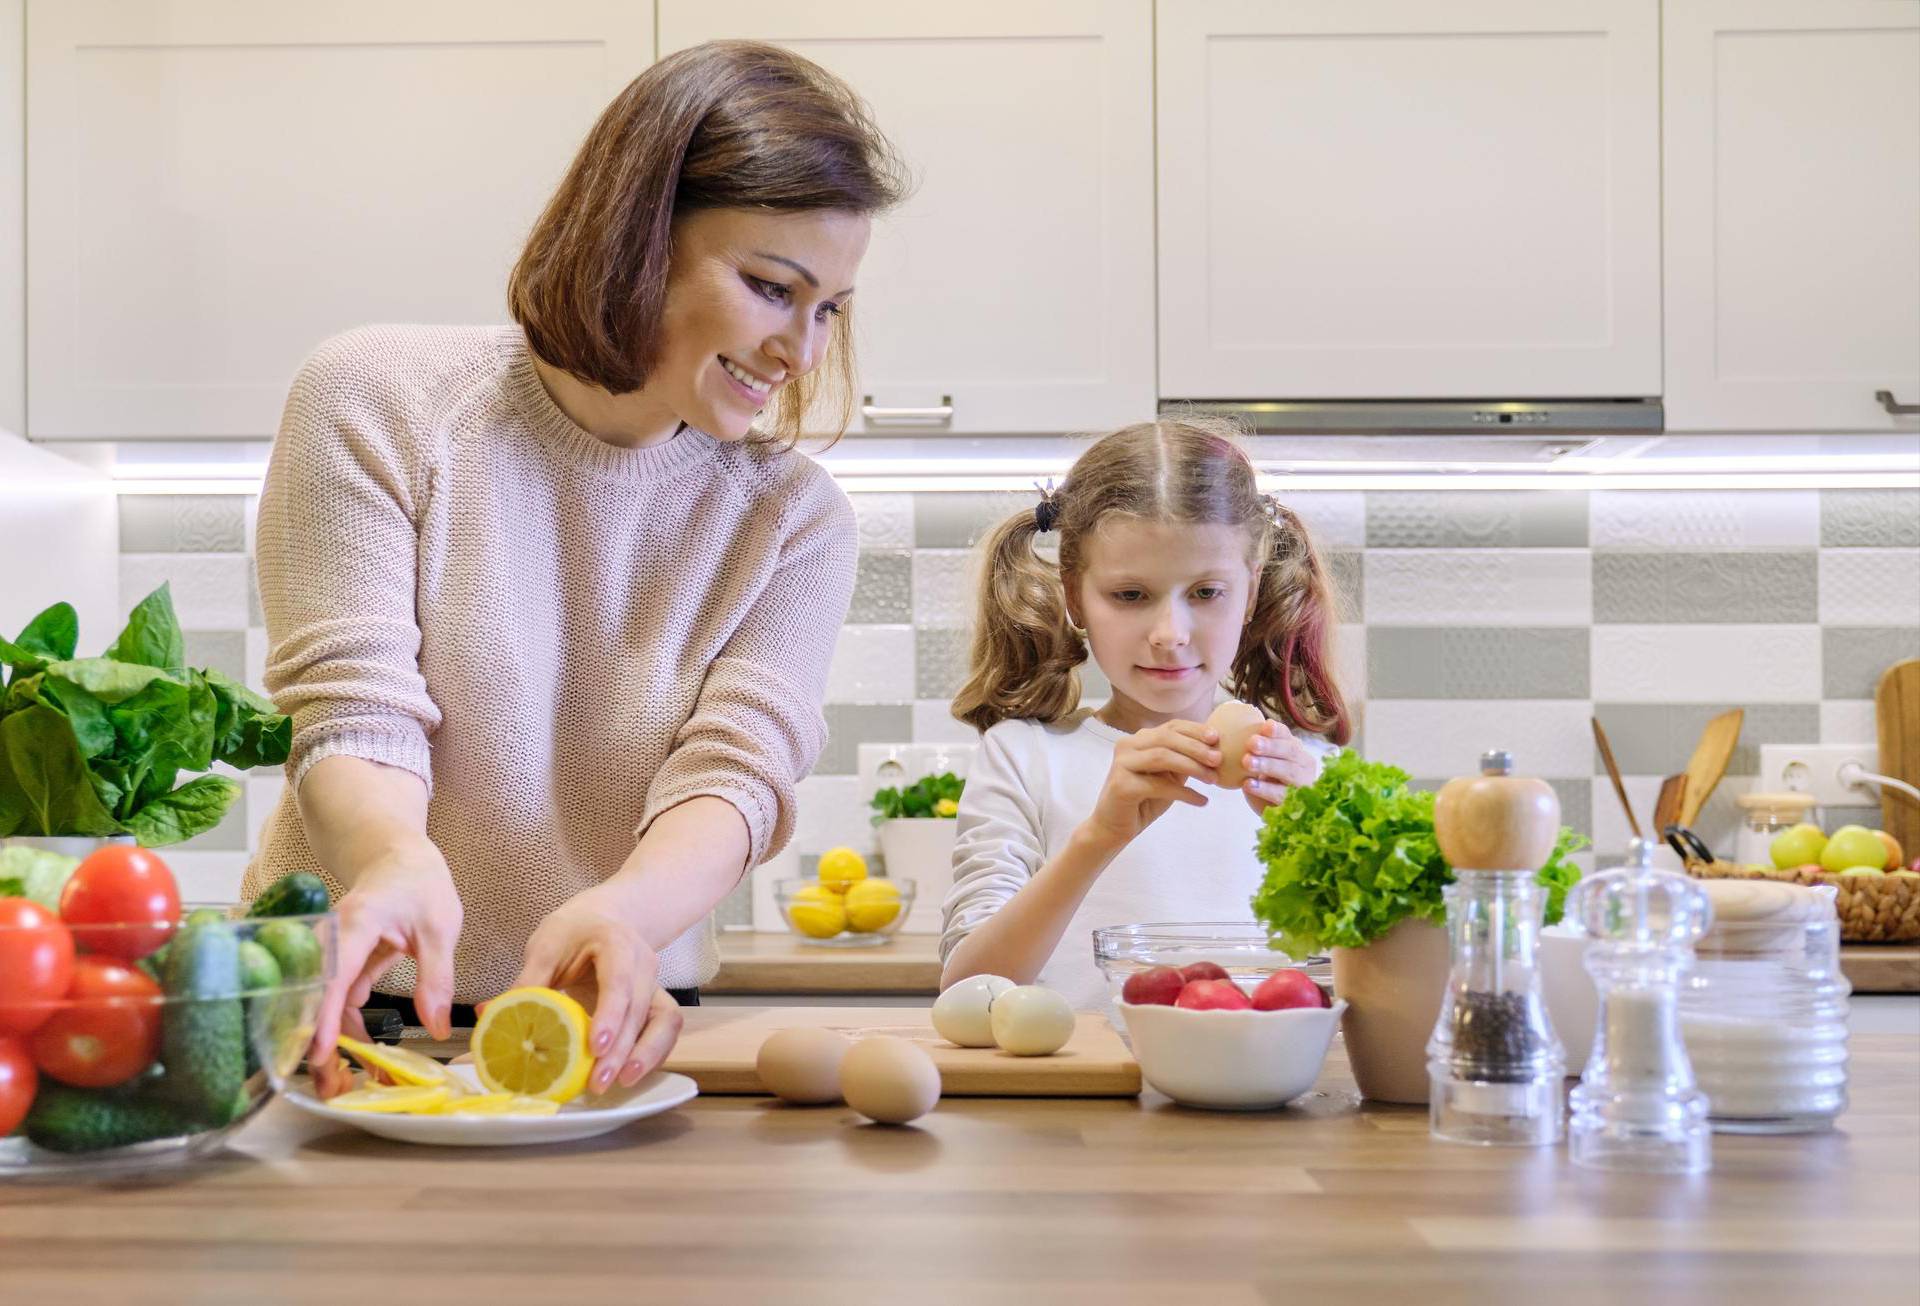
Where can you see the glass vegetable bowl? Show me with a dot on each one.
(210, 1028)
(1239, 947)
(820, 917)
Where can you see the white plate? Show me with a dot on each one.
(585, 1117)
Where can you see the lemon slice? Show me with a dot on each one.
(499, 1104)
(393, 1099)
(533, 1041)
(401, 1065)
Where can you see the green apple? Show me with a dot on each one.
(1796, 847)
(1851, 846)
(1862, 870)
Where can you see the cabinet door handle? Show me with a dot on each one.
(1894, 406)
(938, 415)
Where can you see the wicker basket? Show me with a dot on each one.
(1872, 908)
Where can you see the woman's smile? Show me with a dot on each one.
(750, 385)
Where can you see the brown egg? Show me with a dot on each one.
(890, 1080)
(1237, 723)
(803, 1065)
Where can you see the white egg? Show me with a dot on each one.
(889, 1080)
(960, 1014)
(1031, 1021)
(1237, 723)
(803, 1065)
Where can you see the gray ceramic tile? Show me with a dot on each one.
(1706, 588)
(1477, 519)
(735, 911)
(223, 650)
(1349, 582)
(1853, 658)
(1575, 795)
(183, 523)
(1870, 518)
(850, 725)
(883, 589)
(1477, 662)
(940, 662)
(1658, 738)
(958, 520)
(230, 836)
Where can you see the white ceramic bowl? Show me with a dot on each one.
(1231, 1060)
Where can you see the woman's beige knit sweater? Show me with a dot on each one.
(561, 637)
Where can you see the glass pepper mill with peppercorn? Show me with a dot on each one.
(1495, 1066)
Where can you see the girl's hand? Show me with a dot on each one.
(585, 944)
(404, 905)
(1149, 774)
(1275, 762)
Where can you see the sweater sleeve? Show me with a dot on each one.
(997, 844)
(336, 550)
(757, 727)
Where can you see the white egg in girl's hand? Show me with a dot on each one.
(1237, 724)
(960, 1013)
(889, 1080)
(1031, 1021)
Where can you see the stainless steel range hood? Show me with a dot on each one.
(1453, 431)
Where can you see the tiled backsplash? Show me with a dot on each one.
(1473, 619)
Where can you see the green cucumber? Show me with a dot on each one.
(203, 1033)
(67, 1119)
(297, 893)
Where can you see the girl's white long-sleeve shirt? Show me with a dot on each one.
(1029, 787)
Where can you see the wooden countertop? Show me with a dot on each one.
(769, 963)
(1082, 1203)
(763, 962)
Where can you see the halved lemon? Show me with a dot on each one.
(393, 1099)
(533, 1041)
(401, 1065)
(499, 1104)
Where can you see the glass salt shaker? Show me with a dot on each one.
(1495, 1067)
(1638, 1106)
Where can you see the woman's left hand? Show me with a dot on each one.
(1276, 762)
(585, 945)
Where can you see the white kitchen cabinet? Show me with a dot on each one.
(1792, 213)
(1014, 290)
(1402, 199)
(213, 186)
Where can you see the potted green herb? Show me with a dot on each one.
(916, 839)
(93, 748)
(1353, 867)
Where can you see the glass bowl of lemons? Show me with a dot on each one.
(845, 907)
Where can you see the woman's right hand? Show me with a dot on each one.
(1149, 774)
(403, 905)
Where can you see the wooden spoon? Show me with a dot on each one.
(1666, 808)
(1613, 773)
(1709, 762)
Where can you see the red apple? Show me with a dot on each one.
(1212, 995)
(1285, 989)
(1204, 970)
(1157, 986)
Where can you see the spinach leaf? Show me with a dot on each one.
(194, 807)
(247, 731)
(49, 637)
(152, 636)
(38, 744)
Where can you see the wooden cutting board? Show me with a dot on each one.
(1897, 710)
(718, 1045)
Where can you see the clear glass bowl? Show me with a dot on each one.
(1240, 947)
(812, 920)
(163, 1114)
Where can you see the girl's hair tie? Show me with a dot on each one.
(1047, 511)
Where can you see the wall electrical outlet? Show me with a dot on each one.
(1815, 769)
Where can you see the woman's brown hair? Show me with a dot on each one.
(1026, 654)
(728, 124)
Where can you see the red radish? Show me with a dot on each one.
(1212, 995)
(1204, 970)
(1157, 986)
(1286, 989)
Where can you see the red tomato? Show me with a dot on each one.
(121, 886)
(36, 964)
(108, 1029)
(18, 1083)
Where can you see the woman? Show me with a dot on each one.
(551, 617)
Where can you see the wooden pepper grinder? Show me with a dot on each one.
(1495, 1067)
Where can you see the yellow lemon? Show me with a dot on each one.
(946, 807)
(533, 1041)
(872, 905)
(840, 868)
(401, 1065)
(499, 1104)
(393, 1099)
(817, 912)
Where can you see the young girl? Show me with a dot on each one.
(1184, 579)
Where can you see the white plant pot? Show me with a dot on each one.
(920, 848)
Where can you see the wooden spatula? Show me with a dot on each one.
(1897, 708)
(1709, 762)
(1666, 808)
